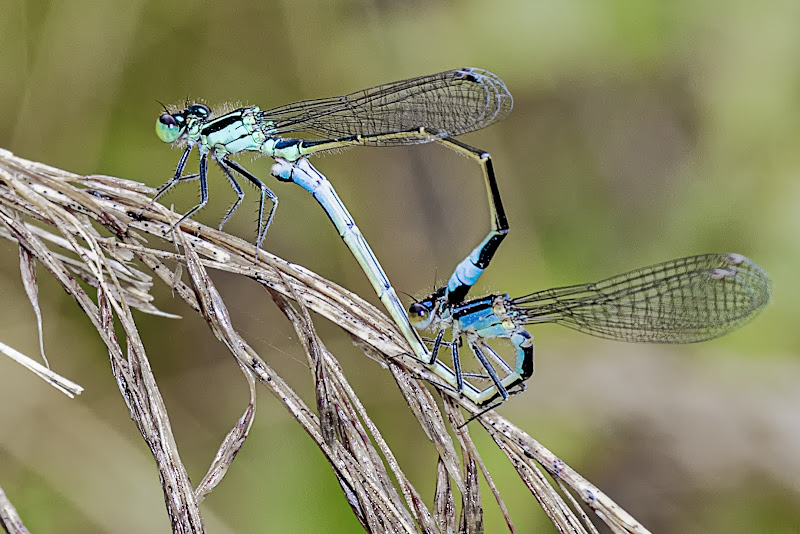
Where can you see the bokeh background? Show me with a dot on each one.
(641, 131)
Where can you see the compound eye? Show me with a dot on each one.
(419, 315)
(167, 120)
(167, 128)
(418, 311)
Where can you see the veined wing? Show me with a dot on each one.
(679, 301)
(445, 104)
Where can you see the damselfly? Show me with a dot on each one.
(679, 301)
(419, 110)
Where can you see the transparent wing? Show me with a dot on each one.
(679, 301)
(445, 104)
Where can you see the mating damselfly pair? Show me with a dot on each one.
(436, 108)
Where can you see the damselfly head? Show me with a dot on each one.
(171, 126)
(426, 312)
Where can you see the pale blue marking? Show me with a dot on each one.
(467, 271)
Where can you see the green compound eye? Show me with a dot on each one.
(167, 128)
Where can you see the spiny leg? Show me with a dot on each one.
(496, 357)
(467, 272)
(265, 192)
(175, 178)
(436, 344)
(236, 187)
(203, 190)
(514, 381)
(457, 365)
(492, 373)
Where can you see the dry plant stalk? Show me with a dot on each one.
(91, 228)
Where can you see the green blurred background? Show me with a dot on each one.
(641, 131)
